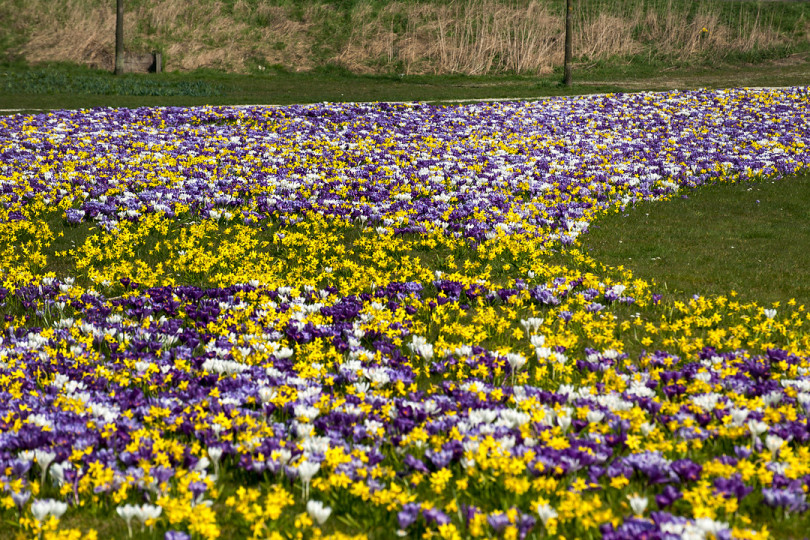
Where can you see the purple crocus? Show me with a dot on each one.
(407, 516)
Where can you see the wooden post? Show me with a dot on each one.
(568, 32)
(119, 37)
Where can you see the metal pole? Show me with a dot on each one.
(568, 33)
(119, 37)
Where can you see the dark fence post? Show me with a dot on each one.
(119, 37)
(568, 32)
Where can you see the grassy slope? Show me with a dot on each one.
(403, 36)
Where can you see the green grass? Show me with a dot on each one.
(276, 87)
(44, 87)
(751, 238)
(50, 81)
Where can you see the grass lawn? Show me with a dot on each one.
(751, 238)
(67, 87)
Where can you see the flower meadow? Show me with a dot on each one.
(352, 320)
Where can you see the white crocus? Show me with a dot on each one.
(542, 352)
(774, 443)
(757, 428)
(215, 454)
(546, 513)
(44, 460)
(57, 472)
(516, 362)
(421, 347)
(531, 325)
(538, 341)
(594, 417)
(637, 503)
(738, 416)
(41, 509)
(306, 470)
(267, 394)
(127, 512)
(318, 511)
(564, 418)
(147, 512)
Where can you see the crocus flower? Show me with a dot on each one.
(318, 511)
(42, 508)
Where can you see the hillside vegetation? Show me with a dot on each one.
(402, 36)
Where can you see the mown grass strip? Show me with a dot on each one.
(102, 89)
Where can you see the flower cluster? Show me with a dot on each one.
(332, 321)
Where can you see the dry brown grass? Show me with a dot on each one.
(605, 35)
(481, 36)
(457, 36)
(69, 31)
(191, 34)
(680, 38)
(472, 37)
